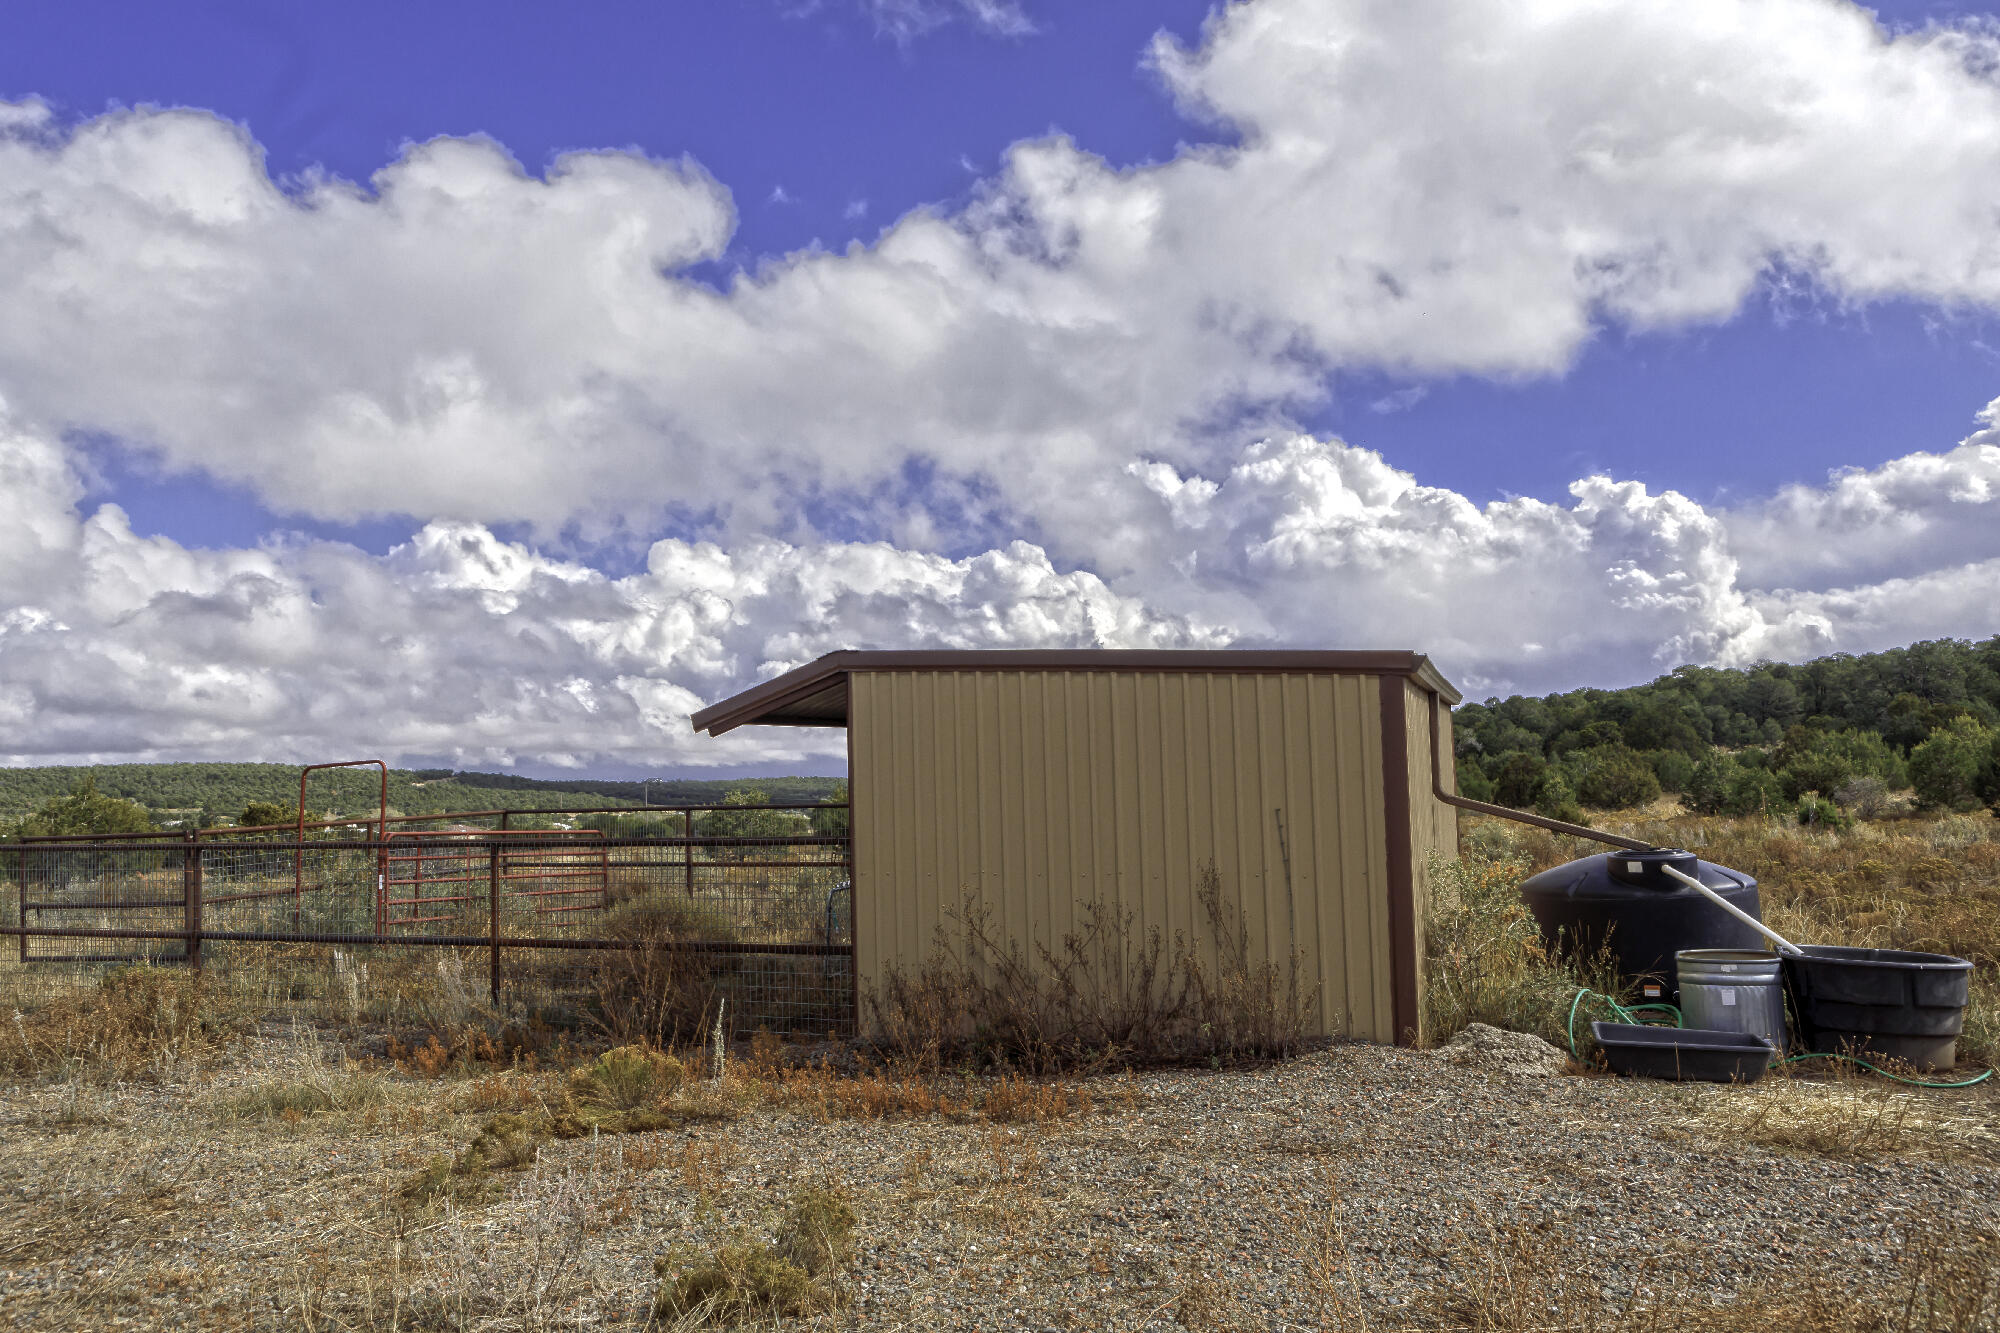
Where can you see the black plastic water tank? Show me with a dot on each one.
(1627, 902)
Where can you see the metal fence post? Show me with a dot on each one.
(191, 882)
(493, 916)
(687, 827)
(22, 901)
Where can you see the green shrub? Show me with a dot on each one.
(1816, 811)
(1945, 770)
(627, 1078)
(87, 810)
(1473, 784)
(1520, 777)
(259, 813)
(504, 1143)
(738, 1282)
(1555, 798)
(1708, 786)
(1754, 791)
(1673, 769)
(735, 820)
(1616, 777)
(1816, 772)
(783, 1278)
(818, 1231)
(832, 822)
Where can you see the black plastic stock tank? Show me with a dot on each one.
(1881, 1002)
(1627, 903)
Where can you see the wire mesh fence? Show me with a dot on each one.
(562, 926)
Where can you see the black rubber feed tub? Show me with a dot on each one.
(1708, 1055)
(1881, 1002)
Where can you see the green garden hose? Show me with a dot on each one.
(1630, 1014)
(1623, 1013)
(1980, 1077)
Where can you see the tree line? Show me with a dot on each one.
(223, 789)
(144, 798)
(657, 791)
(1822, 740)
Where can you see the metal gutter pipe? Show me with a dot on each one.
(1519, 816)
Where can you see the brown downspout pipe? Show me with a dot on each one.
(1508, 812)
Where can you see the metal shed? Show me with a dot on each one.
(1044, 780)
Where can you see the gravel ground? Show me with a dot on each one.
(1360, 1171)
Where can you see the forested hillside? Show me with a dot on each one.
(209, 791)
(1835, 734)
(657, 791)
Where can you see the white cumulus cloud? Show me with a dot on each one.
(1060, 413)
(460, 644)
(1421, 189)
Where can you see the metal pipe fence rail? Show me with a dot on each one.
(563, 927)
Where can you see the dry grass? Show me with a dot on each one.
(789, 1275)
(1849, 1118)
(1513, 1276)
(1107, 995)
(656, 994)
(1484, 953)
(279, 1203)
(631, 1090)
(311, 1079)
(139, 1022)
(504, 1143)
(874, 1093)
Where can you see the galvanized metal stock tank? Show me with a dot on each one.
(1733, 990)
(1627, 903)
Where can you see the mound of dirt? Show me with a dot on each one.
(1486, 1047)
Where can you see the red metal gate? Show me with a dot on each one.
(432, 877)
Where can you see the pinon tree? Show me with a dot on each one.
(88, 810)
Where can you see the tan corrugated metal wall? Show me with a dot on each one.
(1039, 790)
(1433, 824)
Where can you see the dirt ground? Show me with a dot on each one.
(1355, 1187)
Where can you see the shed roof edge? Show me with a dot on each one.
(750, 706)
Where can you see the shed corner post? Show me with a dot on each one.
(853, 879)
(1404, 983)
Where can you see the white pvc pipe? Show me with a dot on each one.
(1784, 944)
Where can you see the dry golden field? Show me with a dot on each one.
(174, 1159)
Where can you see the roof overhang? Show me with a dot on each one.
(815, 695)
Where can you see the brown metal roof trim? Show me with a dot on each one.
(767, 704)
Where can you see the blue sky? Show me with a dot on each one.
(965, 322)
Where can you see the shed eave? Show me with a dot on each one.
(783, 700)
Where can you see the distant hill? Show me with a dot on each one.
(659, 791)
(1760, 738)
(1925, 718)
(185, 790)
